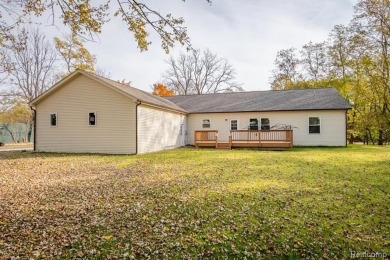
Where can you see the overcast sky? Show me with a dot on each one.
(248, 33)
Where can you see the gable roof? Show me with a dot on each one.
(133, 93)
(255, 101)
(251, 101)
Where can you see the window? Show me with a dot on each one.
(206, 123)
(53, 119)
(92, 118)
(314, 125)
(253, 124)
(233, 124)
(265, 125)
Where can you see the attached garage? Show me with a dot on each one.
(88, 113)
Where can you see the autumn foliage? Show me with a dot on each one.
(162, 90)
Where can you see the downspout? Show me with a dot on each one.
(136, 126)
(35, 127)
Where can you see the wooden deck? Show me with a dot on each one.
(268, 139)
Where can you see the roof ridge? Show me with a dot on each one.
(118, 82)
(255, 101)
(253, 91)
(156, 100)
(100, 76)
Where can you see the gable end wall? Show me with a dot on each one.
(115, 131)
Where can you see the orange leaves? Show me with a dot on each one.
(161, 90)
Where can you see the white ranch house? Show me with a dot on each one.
(92, 114)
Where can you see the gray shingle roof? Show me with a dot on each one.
(139, 94)
(253, 101)
(273, 100)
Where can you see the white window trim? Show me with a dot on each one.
(53, 113)
(203, 124)
(308, 126)
(95, 119)
(230, 124)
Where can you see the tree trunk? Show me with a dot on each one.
(29, 133)
(6, 127)
(370, 136)
(365, 138)
(351, 138)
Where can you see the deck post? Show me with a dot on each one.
(259, 138)
(288, 137)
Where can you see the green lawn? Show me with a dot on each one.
(188, 203)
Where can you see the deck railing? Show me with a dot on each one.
(246, 138)
(265, 135)
(206, 136)
(261, 137)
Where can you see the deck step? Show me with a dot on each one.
(224, 146)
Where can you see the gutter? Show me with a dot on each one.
(35, 127)
(136, 126)
(184, 112)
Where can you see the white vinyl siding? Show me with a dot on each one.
(114, 133)
(333, 126)
(159, 129)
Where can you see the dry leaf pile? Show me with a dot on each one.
(316, 203)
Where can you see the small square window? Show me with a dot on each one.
(253, 124)
(206, 123)
(53, 119)
(265, 124)
(92, 118)
(314, 125)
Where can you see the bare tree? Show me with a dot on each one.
(340, 49)
(31, 68)
(179, 77)
(102, 72)
(287, 69)
(200, 73)
(314, 60)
